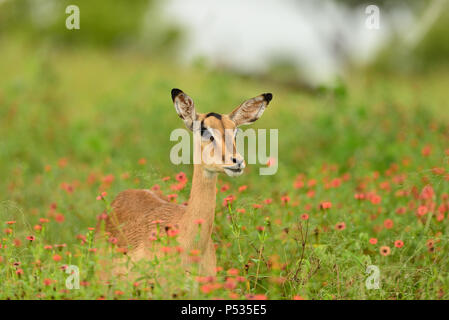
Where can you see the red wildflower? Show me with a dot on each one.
(57, 258)
(285, 199)
(172, 232)
(422, 210)
(199, 221)
(243, 188)
(233, 272)
(326, 205)
(388, 223)
(385, 251)
(181, 177)
(59, 218)
(47, 282)
(340, 226)
(399, 243)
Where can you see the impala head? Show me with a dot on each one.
(217, 132)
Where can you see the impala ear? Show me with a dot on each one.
(184, 107)
(250, 110)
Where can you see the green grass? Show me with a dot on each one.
(69, 118)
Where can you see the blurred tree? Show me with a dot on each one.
(103, 22)
(425, 45)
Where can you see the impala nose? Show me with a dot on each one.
(238, 161)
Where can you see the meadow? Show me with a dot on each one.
(362, 179)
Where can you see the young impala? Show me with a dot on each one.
(134, 211)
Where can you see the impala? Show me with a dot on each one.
(134, 212)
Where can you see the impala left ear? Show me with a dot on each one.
(250, 110)
(184, 107)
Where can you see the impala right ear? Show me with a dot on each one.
(184, 107)
(250, 110)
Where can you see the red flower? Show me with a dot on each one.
(426, 151)
(172, 232)
(57, 258)
(181, 177)
(385, 251)
(422, 210)
(285, 199)
(31, 238)
(340, 226)
(59, 218)
(172, 196)
(326, 205)
(388, 223)
(199, 221)
(47, 282)
(305, 216)
(233, 272)
(228, 200)
(373, 240)
(399, 243)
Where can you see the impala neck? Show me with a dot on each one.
(201, 206)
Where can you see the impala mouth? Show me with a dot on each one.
(233, 171)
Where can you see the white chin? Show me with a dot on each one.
(233, 173)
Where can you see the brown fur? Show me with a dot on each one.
(133, 211)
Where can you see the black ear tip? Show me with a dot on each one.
(267, 96)
(175, 92)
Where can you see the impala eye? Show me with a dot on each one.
(206, 135)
